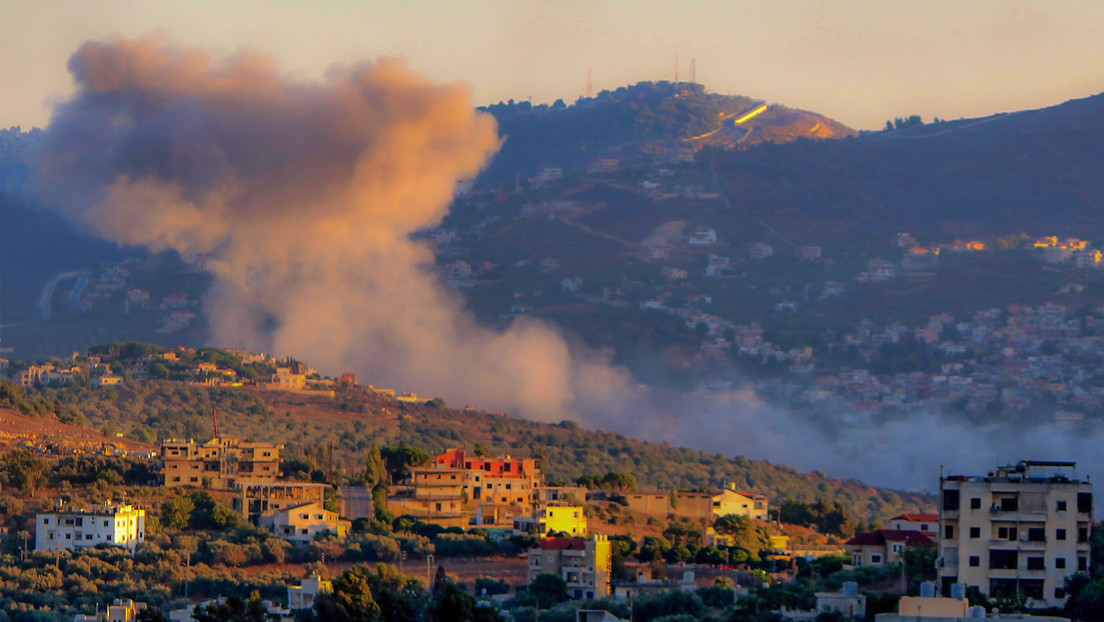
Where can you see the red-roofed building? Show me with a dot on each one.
(928, 524)
(495, 481)
(583, 564)
(884, 546)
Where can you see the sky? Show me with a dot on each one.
(859, 62)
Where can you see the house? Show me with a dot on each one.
(926, 524)
(504, 480)
(583, 564)
(65, 530)
(121, 610)
(702, 237)
(1021, 529)
(254, 499)
(569, 519)
(698, 505)
(645, 585)
(717, 265)
(760, 251)
(302, 596)
(301, 523)
(848, 602)
(884, 546)
(219, 463)
(288, 381)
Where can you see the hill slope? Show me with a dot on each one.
(340, 429)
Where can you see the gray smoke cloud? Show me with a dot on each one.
(304, 196)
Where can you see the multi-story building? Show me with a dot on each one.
(499, 481)
(583, 564)
(1023, 528)
(437, 496)
(254, 499)
(65, 530)
(219, 463)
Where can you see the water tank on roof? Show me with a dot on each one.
(850, 588)
(975, 612)
(958, 590)
(927, 589)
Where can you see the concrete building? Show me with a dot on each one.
(699, 505)
(302, 523)
(65, 530)
(302, 596)
(437, 496)
(884, 546)
(1023, 528)
(254, 499)
(122, 610)
(219, 463)
(924, 523)
(584, 564)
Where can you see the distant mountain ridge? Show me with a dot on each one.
(637, 119)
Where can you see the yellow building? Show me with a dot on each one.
(583, 564)
(569, 519)
(302, 523)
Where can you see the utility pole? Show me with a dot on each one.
(429, 576)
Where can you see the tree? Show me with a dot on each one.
(399, 460)
(375, 471)
(746, 533)
(548, 589)
(177, 513)
(351, 600)
(24, 469)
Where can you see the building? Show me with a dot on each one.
(884, 546)
(65, 530)
(356, 502)
(219, 463)
(499, 481)
(257, 498)
(848, 602)
(926, 524)
(437, 496)
(302, 596)
(122, 610)
(301, 523)
(699, 505)
(583, 564)
(569, 519)
(1023, 528)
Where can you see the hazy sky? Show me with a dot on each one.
(860, 62)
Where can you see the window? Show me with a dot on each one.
(1006, 533)
(950, 499)
(45, 521)
(875, 559)
(1010, 504)
(438, 507)
(1036, 563)
(1082, 534)
(105, 523)
(1082, 563)
(108, 537)
(923, 527)
(975, 503)
(1061, 506)
(1084, 502)
(948, 532)
(975, 532)
(1036, 534)
(1059, 592)
(1059, 562)
(975, 561)
(1002, 559)
(1060, 534)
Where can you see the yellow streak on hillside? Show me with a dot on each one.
(751, 115)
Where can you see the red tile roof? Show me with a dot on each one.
(918, 518)
(881, 536)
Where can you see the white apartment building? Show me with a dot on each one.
(65, 530)
(1023, 528)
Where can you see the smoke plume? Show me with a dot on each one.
(303, 196)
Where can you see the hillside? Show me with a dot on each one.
(337, 431)
(640, 119)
